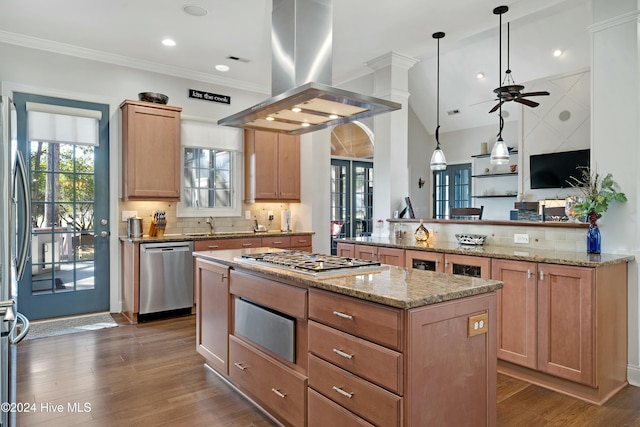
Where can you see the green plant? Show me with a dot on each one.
(597, 193)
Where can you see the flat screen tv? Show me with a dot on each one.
(554, 170)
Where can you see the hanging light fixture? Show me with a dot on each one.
(500, 152)
(438, 161)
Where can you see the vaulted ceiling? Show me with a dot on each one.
(130, 33)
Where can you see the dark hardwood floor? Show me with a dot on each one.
(150, 375)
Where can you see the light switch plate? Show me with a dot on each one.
(247, 214)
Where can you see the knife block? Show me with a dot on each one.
(157, 227)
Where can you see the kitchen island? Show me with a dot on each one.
(389, 347)
(562, 315)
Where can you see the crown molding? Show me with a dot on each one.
(109, 58)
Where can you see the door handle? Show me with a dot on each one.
(102, 234)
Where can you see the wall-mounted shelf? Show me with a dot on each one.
(492, 196)
(488, 155)
(492, 175)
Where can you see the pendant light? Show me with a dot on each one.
(438, 161)
(500, 152)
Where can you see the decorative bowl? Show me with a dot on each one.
(156, 98)
(471, 239)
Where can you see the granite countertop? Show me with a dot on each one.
(214, 236)
(580, 259)
(392, 286)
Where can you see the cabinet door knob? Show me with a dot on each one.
(528, 273)
(541, 275)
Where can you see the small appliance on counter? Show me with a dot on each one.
(285, 220)
(134, 227)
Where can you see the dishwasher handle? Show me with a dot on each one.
(167, 249)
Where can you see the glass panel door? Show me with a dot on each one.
(451, 189)
(69, 261)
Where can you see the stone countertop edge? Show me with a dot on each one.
(395, 286)
(578, 259)
(222, 236)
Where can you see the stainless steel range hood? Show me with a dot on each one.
(303, 99)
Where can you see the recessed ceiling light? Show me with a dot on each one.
(270, 118)
(480, 76)
(333, 116)
(168, 42)
(296, 109)
(305, 125)
(222, 68)
(194, 10)
(557, 52)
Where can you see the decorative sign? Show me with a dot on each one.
(208, 96)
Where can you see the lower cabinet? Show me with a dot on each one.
(281, 390)
(212, 313)
(354, 381)
(347, 250)
(563, 327)
(381, 254)
(466, 265)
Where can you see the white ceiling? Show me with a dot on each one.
(129, 32)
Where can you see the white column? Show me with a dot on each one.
(615, 135)
(390, 161)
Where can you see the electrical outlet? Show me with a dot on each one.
(247, 214)
(270, 215)
(128, 214)
(478, 324)
(520, 238)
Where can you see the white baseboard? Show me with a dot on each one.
(633, 375)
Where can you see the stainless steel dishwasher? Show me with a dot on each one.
(166, 276)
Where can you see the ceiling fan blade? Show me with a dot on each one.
(496, 107)
(535, 93)
(527, 102)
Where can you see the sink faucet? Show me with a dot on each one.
(212, 225)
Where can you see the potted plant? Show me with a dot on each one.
(597, 193)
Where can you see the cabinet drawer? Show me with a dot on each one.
(366, 359)
(374, 322)
(281, 297)
(277, 242)
(301, 241)
(215, 244)
(369, 401)
(279, 389)
(324, 412)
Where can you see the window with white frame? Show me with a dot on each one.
(211, 169)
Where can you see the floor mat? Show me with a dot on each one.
(70, 325)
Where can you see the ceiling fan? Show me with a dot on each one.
(509, 90)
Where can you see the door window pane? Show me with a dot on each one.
(451, 188)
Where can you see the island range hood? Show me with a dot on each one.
(303, 99)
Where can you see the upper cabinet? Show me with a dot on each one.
(150, 151)
(272, 167)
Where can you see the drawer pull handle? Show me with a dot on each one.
(213, 246)
(277, 392)
(239, 366)
(247, 244)
(277, 243)
(302, 241)
(342, 392)
(344, 316)
(343, 354)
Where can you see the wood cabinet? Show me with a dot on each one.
(391, 256)
(212, 313)
(564, 327)
(272, 167)
(301, 243)
(362, 371)
(422, 260)
(150, 151)
(347, 250)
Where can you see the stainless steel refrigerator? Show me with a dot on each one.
(15, 236)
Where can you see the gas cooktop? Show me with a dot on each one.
(313, 264)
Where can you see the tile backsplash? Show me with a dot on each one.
(180, 225)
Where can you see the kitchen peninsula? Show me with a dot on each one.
(562, 315)
(391, 346)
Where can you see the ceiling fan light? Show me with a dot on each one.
(499, 153)
(438, 161)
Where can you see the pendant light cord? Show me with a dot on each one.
(438, 98)
(499, 74)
